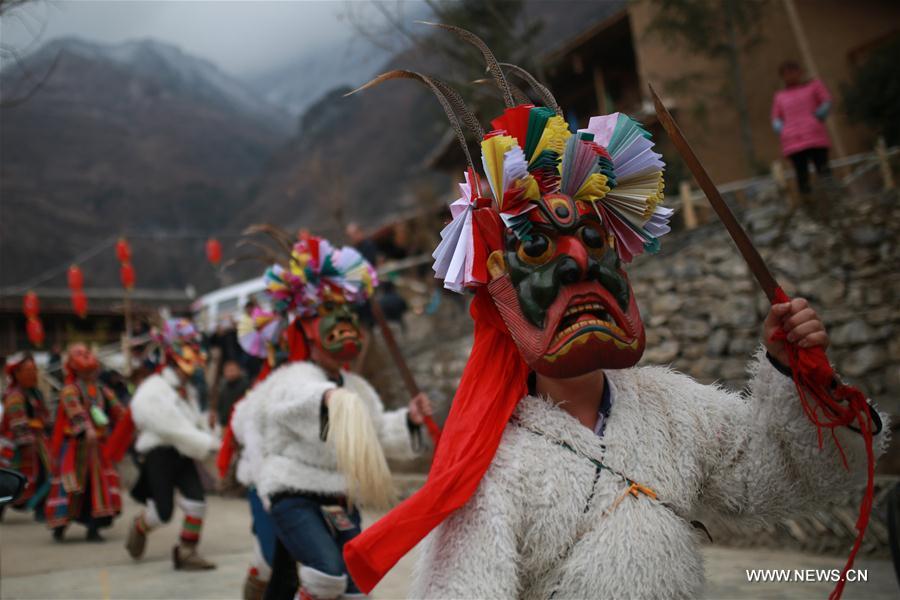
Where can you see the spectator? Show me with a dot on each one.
(54, 362)
(198, 380)
(117, 385)
(233, 386)
(798, 116)
(359, 241)
(251, 364)
(392, 303)
(225, 339)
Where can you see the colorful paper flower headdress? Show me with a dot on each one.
(317, 273)
(530, 152)
(179, 341)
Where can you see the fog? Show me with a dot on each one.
(244, 37)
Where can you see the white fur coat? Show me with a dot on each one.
(163, 418)
(545, 521)
(247, 434)
(287, 409)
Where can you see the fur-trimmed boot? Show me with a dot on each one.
(185, 556)
(143, 524)
(254, 586)
(316, 585)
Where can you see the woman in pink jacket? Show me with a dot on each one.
(798, 116)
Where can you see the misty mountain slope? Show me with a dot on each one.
(354, 158)
(294, 87)
(363, 158)
(138, 136)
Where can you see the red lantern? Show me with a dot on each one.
(126, 275)
(79, 303)
(34, 329)
(31, 306)
(123, 250)
(76, 279)
(213, 251)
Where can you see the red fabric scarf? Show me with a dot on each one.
(120, 439)
(493, 382)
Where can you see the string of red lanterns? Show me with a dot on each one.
(213, 251)
(126, 270)
(76, 285)
(34, 328)
(123, 250)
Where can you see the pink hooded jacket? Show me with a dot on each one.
(795, 107)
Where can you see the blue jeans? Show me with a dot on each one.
(263, 528)
(303, 532)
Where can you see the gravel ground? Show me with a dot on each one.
(32, 565)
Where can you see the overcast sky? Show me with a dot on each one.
(241, 36)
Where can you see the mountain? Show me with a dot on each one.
(137, 136)
(295, 86)
(346, 60)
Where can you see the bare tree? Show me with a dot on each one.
(503, 24)
(27, 83)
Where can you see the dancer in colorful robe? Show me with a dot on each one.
(563, 470)
(325, 432)
(25, 433)
(85, 485)
(172, 435)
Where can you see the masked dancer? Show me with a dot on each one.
(172, 435)
(25, 433)
(565, 471)
(85, 484)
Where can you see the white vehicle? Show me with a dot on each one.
(226, 304)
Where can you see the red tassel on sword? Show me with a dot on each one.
(827, 402)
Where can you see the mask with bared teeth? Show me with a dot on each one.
(563, 293)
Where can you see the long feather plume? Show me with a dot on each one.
(493, 66)
(446, 104)
(539, 88)
(519, 96)
(268, 253)
(281, 237)
(265, 259)
(459, 105)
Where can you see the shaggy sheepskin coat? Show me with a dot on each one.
(551, 518)
(246, 433)
(288, 408)
(164, 418)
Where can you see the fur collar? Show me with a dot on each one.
(169, 375)
(541, 415)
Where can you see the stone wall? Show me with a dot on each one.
(704, 311)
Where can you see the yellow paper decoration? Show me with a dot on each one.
(493, 151)
(554, 137)
(594, 188)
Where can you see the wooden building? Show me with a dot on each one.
(606, 67)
